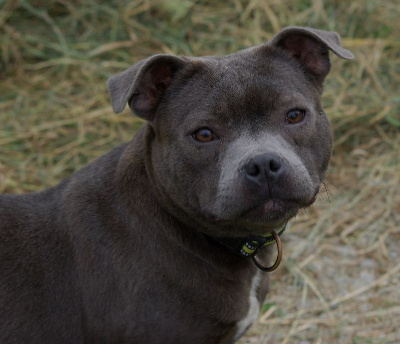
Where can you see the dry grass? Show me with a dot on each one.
(340, 278)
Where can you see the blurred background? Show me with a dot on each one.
(340, 277)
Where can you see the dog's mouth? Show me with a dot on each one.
(252, 216)
(271, 209)
(275, 208)
(265, 215)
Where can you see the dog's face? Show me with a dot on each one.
(236, 144)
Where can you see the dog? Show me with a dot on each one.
(153, 242)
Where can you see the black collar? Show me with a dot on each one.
(249, 246)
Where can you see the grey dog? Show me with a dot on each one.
(152, 242)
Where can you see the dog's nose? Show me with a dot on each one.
(263, 168)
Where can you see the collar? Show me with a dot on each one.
(249, 246)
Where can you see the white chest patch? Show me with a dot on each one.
(254, 308)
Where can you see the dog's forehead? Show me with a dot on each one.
(262, 60)
(248, 85)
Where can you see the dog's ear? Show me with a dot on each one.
(311, 48)
(144, 84)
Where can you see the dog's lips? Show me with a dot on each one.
(269, 212)
(275, 209)
(271, 208)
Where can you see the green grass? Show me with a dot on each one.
(55, 117)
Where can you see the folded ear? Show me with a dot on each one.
(311, 48)
(144, 84)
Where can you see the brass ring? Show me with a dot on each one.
(278, 258)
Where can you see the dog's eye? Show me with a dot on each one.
(204, 135)
(295, 116)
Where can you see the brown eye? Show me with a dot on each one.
(295, 116)
(204, 135)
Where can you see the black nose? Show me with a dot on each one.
(264, 168)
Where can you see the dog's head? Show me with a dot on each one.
(236, 144)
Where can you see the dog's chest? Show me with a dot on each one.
(253, 307)
(235, 311)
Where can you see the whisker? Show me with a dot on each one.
(328, 192)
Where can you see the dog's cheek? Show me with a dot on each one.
(314, 144)
(206, 191)
(325, 139)
(202, 173)
(317, 152)
(187, 174)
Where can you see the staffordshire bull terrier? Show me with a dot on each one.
(152, 242)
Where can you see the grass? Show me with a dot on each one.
(340, 277)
